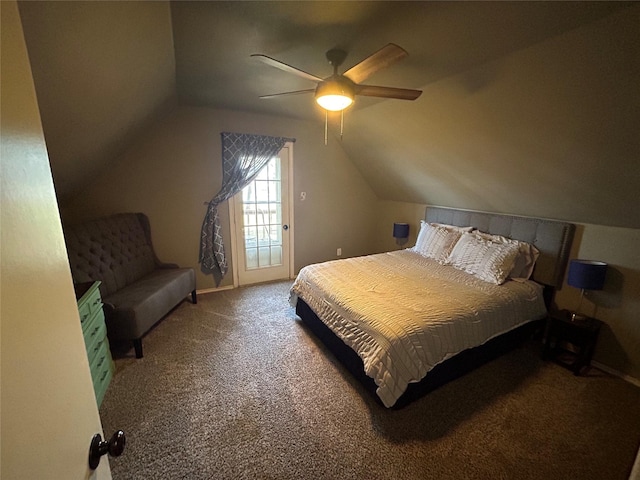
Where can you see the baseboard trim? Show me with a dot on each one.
(215, 289)
(616, 373)
(231, 287)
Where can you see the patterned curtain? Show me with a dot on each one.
(243, 156)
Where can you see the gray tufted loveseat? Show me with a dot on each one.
(137, 289)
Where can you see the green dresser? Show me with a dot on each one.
(95, 337)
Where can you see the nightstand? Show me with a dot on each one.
(581, 334)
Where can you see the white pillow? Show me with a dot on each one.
(435, 242)
(526, 258)
(423, 231)
(452, 227)
(421, 235)
(488, 260)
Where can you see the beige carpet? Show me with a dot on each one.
(236, 387)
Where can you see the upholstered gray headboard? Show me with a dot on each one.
(553, 238)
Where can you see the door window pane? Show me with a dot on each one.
(251, 258)
(262, 191)
(249, 214)
(250, 237)
(275, 214)
(264, 173)
(248, 193)
(275, 235)
(263, 236)
(276, 255)
(262, 218)
(274, 191)
(264, 256)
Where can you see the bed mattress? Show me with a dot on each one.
(403, 314)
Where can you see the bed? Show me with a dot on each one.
(405, 323)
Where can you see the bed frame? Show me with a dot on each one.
(552, 238)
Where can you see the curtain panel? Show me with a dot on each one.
(243, 156)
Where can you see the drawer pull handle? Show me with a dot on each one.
(84, 317)
(95, 330)
(101, 361)
(104, 374)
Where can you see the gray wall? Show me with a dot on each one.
(550, 131)
(176, 166)
(103, 71)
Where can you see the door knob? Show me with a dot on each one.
(114, 447)
(285, 227)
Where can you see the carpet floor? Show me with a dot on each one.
(236, 387)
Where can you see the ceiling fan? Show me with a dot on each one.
(338, 91)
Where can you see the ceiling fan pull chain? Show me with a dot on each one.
(326, 121)
(341, 123)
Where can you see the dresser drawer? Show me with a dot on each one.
(85, 314)
(89, 304)
(101, 370)
(94, 334)
(94, 331)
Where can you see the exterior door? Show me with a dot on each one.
(263, 234)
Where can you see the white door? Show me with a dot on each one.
(263, 233)
(49, 412)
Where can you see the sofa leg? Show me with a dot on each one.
(194, 299)
(137, 345)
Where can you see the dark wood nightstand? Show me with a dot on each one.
(581, 334)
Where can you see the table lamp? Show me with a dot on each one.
(401, 233)
(585, 275)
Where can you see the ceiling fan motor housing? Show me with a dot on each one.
(336, 57)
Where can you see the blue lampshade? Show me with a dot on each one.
(400, 230)
(587, 274)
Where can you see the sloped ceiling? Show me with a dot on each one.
(104, 69)
(214, 41)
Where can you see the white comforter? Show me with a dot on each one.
(404, 314)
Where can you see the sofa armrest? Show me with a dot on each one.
(108, 308)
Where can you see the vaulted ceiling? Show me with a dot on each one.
(214, 41)
(104, 70)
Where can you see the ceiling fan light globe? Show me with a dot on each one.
(334, 103)
(335, 94)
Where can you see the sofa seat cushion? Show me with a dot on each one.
(134, 309)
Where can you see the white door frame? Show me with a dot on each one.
(232, 216)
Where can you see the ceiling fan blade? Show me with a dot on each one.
(284, 94)
(387, 92)
(287, 68)
(384, 57)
